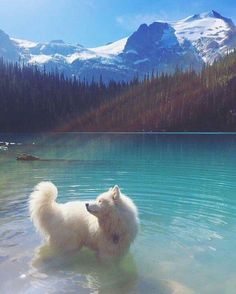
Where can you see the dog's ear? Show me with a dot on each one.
(116, 192)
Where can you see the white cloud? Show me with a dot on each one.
(132, 22)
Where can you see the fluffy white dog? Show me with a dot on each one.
(107, 225)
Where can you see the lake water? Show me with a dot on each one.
(183, 184)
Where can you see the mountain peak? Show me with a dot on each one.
(153, 26)
(209, 14)
(215, 14)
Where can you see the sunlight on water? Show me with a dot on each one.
(183, 185)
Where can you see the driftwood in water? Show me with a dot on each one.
(27, 157)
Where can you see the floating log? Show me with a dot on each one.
(27, 157)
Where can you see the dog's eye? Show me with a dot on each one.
(100, 201)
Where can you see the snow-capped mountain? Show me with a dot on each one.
(157, 47)
(210, 33)
(160, 46)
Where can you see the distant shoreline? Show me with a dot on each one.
(129, 133)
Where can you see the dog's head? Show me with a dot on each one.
(105, 203)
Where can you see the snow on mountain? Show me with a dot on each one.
(24, 43)
(208, 32)
(40, 59)
(81, 55)
(159, 46)
(110, 49)
(201, 27)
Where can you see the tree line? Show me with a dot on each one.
(34, 100)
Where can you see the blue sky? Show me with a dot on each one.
(96, 22)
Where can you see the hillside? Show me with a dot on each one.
(185, 101)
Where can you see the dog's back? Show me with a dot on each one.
(62, 225)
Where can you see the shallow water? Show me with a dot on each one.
(184, 186)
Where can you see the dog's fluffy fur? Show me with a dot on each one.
(107, 225)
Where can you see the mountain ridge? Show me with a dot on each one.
(160, 46)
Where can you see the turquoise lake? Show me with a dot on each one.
(184, 186)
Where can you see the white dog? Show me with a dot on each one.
(107, 225)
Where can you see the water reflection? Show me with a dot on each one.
(84, 272)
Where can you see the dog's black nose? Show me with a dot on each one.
(87, 206)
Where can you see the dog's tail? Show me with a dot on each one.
(41, 205)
